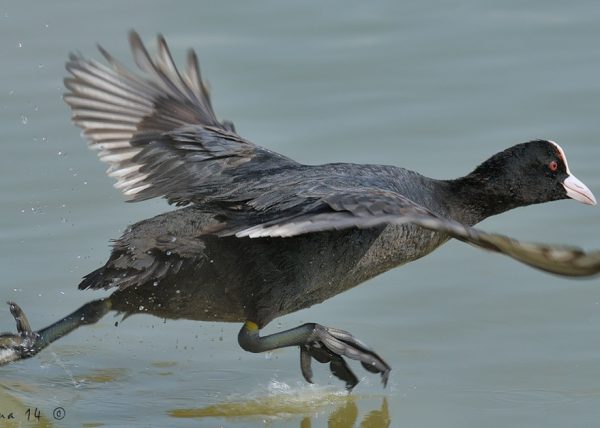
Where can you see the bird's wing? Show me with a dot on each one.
(157, 130)
(366, 208)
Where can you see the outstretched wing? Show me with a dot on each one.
(366, 208)
(157, 131)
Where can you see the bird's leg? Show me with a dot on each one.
(26, 343)
(324, 344)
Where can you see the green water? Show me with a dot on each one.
(474, 338)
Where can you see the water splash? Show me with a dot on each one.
(282, 400)
(68, 372)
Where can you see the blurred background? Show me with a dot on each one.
(473, 338)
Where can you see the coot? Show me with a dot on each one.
(260, 235)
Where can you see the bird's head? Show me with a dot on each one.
(529, 173)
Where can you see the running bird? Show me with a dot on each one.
(260, 235)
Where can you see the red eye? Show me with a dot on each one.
(553, 166)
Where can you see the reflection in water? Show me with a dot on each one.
(378, 418)
(344, 416)
(343, 409)
(101, 376)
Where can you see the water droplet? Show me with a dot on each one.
(24, 119)
(20, 44)
(155, 283)
(168, 253)
(141, 308)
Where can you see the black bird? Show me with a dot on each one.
(261, 235)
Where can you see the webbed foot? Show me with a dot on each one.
(27, 343)
(324, 344)
(330, 345)
(21, 345)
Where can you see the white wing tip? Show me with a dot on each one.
(135, 190)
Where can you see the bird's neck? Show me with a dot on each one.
(475, 198)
